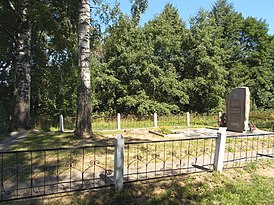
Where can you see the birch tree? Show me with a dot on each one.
(83, 117)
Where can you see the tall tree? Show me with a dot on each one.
(258, 57)
(7, 39)
(54, 59)
(165, 34)
(22, 80)
(143, 64)
(204, 67)
(247, 52)
(228, 24)
(83, 117)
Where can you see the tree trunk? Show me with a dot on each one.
(21, 112)
(83, 118)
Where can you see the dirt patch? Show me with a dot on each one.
(266, 170)
(140, 134)
(132, 135)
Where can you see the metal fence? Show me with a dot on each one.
(144, 121)
(243, 149)
(33, 173)
(157, 159)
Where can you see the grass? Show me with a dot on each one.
(209, 188)
(251, 185)
(130, 122)
(42, 140)
(263, 119)
(220, 188)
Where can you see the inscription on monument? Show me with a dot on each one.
(237, 109)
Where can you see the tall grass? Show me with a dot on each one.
(263, 119)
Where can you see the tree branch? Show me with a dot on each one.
(13, 9)
(11, 6)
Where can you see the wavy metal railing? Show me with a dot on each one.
(243, 149)
(157, 159)
(33, 173)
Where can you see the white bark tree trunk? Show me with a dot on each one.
(83, 118)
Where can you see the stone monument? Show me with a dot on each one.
(237, 109)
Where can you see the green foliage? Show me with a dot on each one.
(143, 62)
(205, 68)
(160, 67)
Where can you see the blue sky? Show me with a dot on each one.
(260, 9)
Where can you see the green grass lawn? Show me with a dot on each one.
(240, 186)
(44, 140)
(251, 185)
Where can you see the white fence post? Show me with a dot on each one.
(119, 162)
(118, 121)
(61, 123)
(220, 150)
(219, 118)
(155, 120)
(187, 119)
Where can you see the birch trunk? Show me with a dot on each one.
(21, 112)
(83, 118)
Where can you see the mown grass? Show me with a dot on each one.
(252, 185)
(245, 186)
(42, 140)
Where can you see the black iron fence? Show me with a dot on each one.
(243, 149)
(33, 173)
(157, 159)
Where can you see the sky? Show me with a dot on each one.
(260, 9)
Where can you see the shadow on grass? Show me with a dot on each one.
(192, 189)
(44, 140)
(41, 140)
(241, 186)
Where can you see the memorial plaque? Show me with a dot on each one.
(237, 109)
